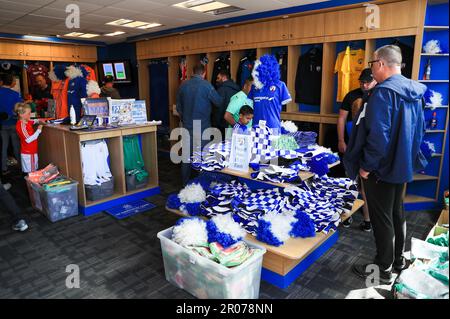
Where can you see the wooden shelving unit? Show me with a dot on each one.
(61, 146)
(423, 191)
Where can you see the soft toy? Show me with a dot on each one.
(275, 228)
(77, 88)
(190, 232)
(224, 230)
(191, 197)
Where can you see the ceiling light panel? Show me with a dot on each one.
(120, 22)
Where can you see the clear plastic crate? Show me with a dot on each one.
(207, 279)
(56, 203)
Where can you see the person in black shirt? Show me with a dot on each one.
(42, 89)
(351, 104)
(349, 109)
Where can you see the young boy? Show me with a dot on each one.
(28, 137)
(245, 117)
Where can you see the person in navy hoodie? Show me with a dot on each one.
(384, 149)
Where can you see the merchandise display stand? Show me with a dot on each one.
(61, 146)
(247, 175)
(282, 265)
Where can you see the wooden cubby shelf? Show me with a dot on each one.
(62, 147)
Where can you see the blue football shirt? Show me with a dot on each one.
(267, 104)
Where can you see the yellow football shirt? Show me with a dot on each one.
(349, 65)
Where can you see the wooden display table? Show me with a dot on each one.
(283, 264)
(61, 146)
(247, 175)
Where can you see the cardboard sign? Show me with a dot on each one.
(240, 152)
(139, 112)
(98, 107)
(120, 111)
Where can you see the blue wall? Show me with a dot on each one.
(122, 51)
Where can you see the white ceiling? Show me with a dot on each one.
(47, 17)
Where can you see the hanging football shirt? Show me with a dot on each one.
(267, 104)
(308, 80)
(349, 65)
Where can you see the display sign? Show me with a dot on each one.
(120, 111)
(108, 69)
(120, 71)
(99, 107)
(240, 152)
(139, 112)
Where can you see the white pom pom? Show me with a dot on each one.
(255, 75)
(192, 193)
(289, 126)
(281, 224)
(435, 99)
(92, 88)
(73, 72)
(226, 224)
(191, 232)
(432, 47)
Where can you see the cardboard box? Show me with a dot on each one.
(443, 219)
(436, 231)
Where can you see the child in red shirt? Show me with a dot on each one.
(28, 137)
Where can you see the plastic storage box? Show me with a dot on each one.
(206, 279)
(34, 195)
(57, 203)
(133, 184)
(97, 192)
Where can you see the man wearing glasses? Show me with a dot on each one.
(387, 134)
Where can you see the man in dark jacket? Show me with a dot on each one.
(384, 149)
(108, 89)
(194, 102)
(226, 89)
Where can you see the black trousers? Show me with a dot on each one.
(7, 201)
(385, 203)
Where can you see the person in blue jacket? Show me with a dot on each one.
(8, 99)
(384, 149)
(195, 98)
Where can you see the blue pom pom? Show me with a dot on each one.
(304, 227)
(59, 70)
(265, 235)
(319, 165)
(173, 201)
(193, 209)
(268, 70)
(426, 150)
(427, 96)
(214, 235)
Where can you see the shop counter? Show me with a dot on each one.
(61, 146)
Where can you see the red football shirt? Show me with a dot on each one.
(25, 131)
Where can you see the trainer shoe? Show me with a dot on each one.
(362, 270)
(402, 265)
(366, 226)
(348, 222)
(20, 226)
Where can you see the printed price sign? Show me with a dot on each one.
(240, 152)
